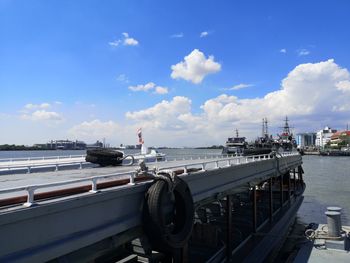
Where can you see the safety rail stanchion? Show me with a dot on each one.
(93, 185)
(30, 196)
(185, 170)
(28, 170)
(81, 165)
(217, 164)
(56, 169)
(132, 179)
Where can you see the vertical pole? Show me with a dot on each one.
(289, 186)
(229, 227)
(271, 200)
(254, 210)
(295, 181)
(281, 190)
(300, 174)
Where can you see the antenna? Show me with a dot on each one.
(266, 129)
(237, 135)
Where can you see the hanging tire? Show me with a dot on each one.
(168, 216)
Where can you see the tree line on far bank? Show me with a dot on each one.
(13, 147)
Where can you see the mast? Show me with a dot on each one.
(265, 132)
(263, 128)
(286, 126)
(237, 135)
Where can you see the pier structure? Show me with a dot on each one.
(242, 207)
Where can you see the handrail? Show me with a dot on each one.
(224, 161)
(58, 157)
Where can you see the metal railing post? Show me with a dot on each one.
(93, 186)
(132, 179)
(30, 196)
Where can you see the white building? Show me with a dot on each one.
(324, 136)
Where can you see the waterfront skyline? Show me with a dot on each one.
(187, 73)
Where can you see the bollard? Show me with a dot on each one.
(336, 209)
(333, 223)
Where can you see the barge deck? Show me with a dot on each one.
(242, 209)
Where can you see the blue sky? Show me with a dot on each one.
(80, 69)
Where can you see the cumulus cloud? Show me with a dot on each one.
(343, 85)
(303, 52)
(283, 50)
(312, 95)
(42, 115)
(204, 34)
(179, 35)
(162, 115)
(149, 86)
(328, 99)
(95, 129)
(195, 67)
(126, 40)
(31, 106)
(240, 86)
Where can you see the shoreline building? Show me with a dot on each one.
(66, 145)
(306, 139)
(324, 136)
(340, 139)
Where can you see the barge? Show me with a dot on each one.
(213, 209)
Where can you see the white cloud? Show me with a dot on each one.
(161, 90)
(240, 86)
(123, 78)
(146, 87)
(303, 52)
(195, 67)
(312, 95)
(149, 86)
(31, 106)
(96, 129)
(126, 40)
(42, 115)
(204, 34)
(179, 35)
(162, 115)
(283, 50)
(343, 85)
(115, 43)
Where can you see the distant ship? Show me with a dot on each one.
(235, 145)
(262, 145)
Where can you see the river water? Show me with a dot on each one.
(327, 180)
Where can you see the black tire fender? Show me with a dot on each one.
(168, 216)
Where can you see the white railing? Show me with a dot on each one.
(57, 157)
(218, 163)
(36, 163)
(93, 180)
